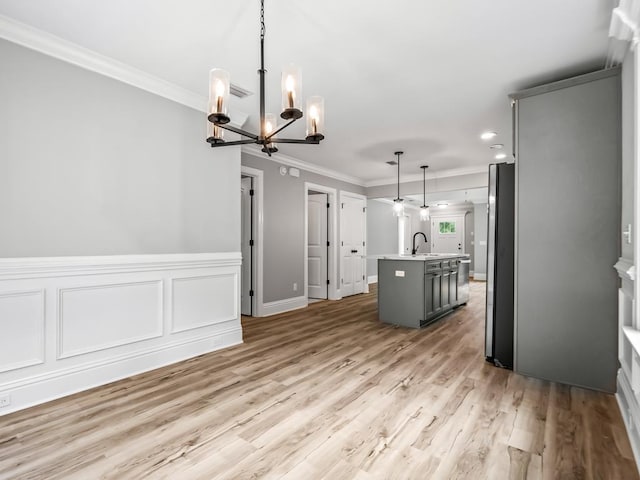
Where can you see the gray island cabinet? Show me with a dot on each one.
(414, 291)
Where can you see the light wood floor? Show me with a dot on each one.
(327, 392)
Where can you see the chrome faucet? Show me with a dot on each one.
(414, 250)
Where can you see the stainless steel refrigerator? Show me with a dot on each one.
(500, 247)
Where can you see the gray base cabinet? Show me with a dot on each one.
(413, 293)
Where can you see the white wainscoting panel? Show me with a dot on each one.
(203, 301)
(628, 394)
(21, 329)
(70, 324)
(96, 317)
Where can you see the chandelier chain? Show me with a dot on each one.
(262, 27)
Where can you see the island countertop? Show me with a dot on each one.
(423, 257)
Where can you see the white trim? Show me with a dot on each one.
(82, 57)
(372, 279)
(258, 225)
(628, 406)
(285, 305)
(42, 267)
(453, 172)
(626, 269)
(333, 250)
(636, 179)
(255, 151)
(480, 276)
(37, 389)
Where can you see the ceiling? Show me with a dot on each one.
(423, 77)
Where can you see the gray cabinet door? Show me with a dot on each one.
(444, 290)
(453, 288)
(567, 231)
(432, 294)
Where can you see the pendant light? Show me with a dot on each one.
(398, 203)
(424, 209)
(218, 112)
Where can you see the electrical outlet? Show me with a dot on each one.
(5, 400)
(295, 287)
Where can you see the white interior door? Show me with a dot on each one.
(352, 233)
(447, 234)
(317, 239)
(245, 240)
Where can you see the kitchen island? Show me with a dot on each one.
(416, 290)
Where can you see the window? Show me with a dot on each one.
(447, 227)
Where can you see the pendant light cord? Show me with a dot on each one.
(398, 176)
(424, 187)
(262, 27)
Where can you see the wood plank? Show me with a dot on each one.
(327, 392)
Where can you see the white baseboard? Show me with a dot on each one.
(372, 279)
(630, 411)
(28, 392)
(285, 305)
(72, 323)
(480, 276)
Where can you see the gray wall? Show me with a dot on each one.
(92, 166)
(284, 225)
(382, 233)
(480, 237)
(628, 129)
(568, 181)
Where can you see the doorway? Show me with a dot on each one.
(447, 234)
(251, 241)
(318, 245)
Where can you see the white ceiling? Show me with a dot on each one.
(423, 77)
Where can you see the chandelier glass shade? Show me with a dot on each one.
(291, 87)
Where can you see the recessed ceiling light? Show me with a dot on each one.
(500, 156)
(488, 135)
(497, 146)
(442, 205)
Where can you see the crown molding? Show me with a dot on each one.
(56, 47)
(454, 172)
(254, 151)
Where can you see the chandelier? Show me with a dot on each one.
(219, 90)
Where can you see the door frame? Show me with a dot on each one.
(364, 247)
(257, 304)
(333, 292)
